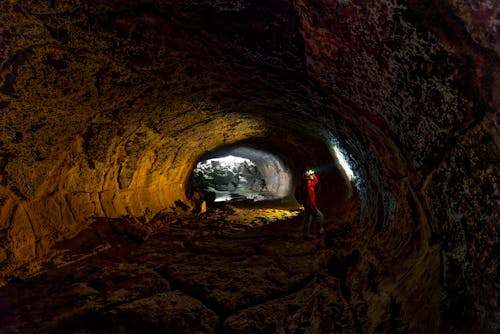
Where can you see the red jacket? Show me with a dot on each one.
(310, 194)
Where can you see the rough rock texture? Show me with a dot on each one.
(199, 274)
(106, 106)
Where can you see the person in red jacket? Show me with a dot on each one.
(310, 206)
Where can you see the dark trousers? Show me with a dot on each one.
(309, 215)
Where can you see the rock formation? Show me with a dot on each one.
(107, 106)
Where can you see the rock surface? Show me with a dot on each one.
(181, 280)
(106, 106)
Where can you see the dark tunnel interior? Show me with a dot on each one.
(114, 218)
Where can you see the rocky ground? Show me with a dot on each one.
(230, 270)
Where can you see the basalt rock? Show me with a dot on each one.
(107, 106)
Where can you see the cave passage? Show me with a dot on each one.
(239, 174)
(111, 113)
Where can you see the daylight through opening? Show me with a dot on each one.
(240, 174)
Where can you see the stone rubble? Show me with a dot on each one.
(191, 275)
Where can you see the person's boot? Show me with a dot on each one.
(320, 218)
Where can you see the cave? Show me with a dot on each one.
(108, 108)
(240, 174)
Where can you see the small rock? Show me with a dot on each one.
(170, 312)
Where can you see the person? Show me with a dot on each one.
(310, 206)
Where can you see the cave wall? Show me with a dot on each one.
(422, 78)
(105, 106)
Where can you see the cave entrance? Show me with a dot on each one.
(230, 178)
(240, 174)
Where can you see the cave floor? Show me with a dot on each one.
(231, 270)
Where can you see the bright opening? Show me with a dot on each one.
(226, 162)
(230, 178)
(241, 174)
